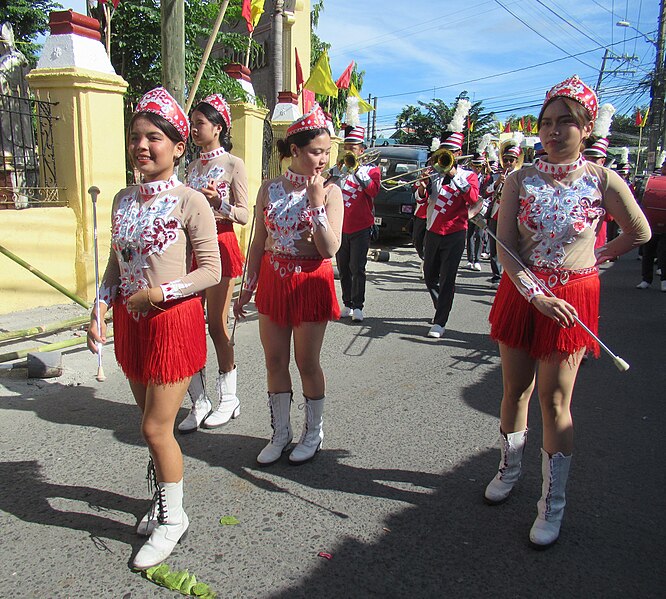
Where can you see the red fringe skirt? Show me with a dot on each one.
(160, 347)
(516, 323)
(291, 291)
(230, 253)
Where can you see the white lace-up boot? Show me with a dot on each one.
(312, 436)
(550, 508)
(148, 523)
(512, 446)
(229, 404)
(170, 530)
(201, 406)
(280, 406)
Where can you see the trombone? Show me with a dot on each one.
(441, 161)
(349, 162)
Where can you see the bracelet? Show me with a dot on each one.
(151, 302)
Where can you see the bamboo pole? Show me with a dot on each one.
(206, 55)
(45, 328)
(39, 274)
(22, 353)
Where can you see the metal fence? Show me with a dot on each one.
(270, 157)
(27, 168)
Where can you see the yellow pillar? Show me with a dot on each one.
(247, 134)
(89, 137)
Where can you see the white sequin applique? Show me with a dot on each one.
(557, 214)
(287, 216)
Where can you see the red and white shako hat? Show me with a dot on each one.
(513, 151)
(453, 137)
(355, 135)
(315, 119)
(575, 89)
(454, 141)
(218, 102)
(597, 143)
(599, 149)
(159, 101)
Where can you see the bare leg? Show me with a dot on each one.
(556, 384)
(276, 341)
(518, 376)
(218, 299)
(308, 339)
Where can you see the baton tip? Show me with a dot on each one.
(621, 365)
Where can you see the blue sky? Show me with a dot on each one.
(422, 49)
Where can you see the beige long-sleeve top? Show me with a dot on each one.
(228, 173)
(550, 214)
(155, 228)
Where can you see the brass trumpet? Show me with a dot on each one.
(350, 162)
(441, 161)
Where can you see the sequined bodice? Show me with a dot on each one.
(287, 217)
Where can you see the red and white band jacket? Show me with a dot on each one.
(448, 200)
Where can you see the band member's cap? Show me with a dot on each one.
(478, 160)
(598, 149)
(218, 102)
(575, 89)
(623, 168)
(453, 141)
(315, 119)
(512, 151)
(355, 135)
(159, 101)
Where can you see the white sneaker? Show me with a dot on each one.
(663, 285)
(469, 266)
(476, 266)
(436, 331)
(643, 285)
(345, 312)
(357, 315)
(485, 256)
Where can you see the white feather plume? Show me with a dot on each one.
(484, 143)
(434, 144)
(457, 123)
(352, 115)
(492, 153)
(624, 155)
(603, 123)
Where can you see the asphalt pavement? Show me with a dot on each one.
(395, 496)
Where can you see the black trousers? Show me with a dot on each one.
(495, 265)
(442, 258)
(655, 248)
(473, 243)
(351, 260)
(418, 234)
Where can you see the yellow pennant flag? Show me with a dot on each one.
(645, 117)
(363, 106)
(256, 10)
(321, 80)
(535, 128)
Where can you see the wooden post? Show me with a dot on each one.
(173, 48)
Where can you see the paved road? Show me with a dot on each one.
(395, 496)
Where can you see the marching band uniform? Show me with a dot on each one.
(419, 224)
(228, 173)
(359, 189)
(549, 217)
(473, 232)
(156, 227)
(293, 280)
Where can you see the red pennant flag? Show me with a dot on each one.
(639, 119)
(522, 123)
(308, 100)
(345, 79)
(299, 73)
(114, 2)
(529, 125)
(507, 127)
(246, 13)
(469, 124)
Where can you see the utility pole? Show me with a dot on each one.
(367, 129)
(172, 14)
(601, 72)
(374, 120)
(657, 104)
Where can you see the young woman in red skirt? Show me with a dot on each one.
(160, 337)
(298, 229)
(549, 216)
(221, 177)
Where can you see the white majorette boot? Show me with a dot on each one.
(280, 406)
(550, 508)
(312, 436)
(148, 523)
(201, 406)
(172, 524)
(512, 446)
(229, 404)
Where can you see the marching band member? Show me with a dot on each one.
(421, 213)
(548, 216)
(221, 177)
(450, 194)
(479, 165)
(359, 189)
(160, 336)
(298, 228)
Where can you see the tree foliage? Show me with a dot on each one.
(136, 45)
(29, 19)
(419, 124)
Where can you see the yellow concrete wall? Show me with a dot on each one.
(296, 34)
(247, 135)
(89, 141)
